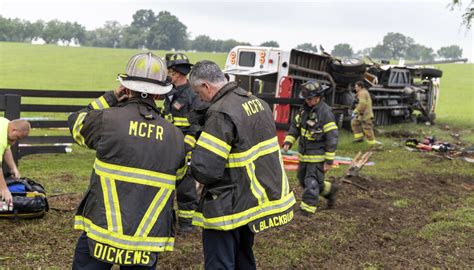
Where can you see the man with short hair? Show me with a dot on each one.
(127, 213)
(316, 129)
(178, 105)
(10, 133)
(238, 161)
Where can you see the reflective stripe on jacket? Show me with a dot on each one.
(139, 158)
(317, 132)
(238, 160)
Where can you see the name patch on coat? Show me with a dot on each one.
(113, 255)
(252, 107)
(145, 130)
(270, 222)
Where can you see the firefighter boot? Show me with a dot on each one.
(185, 226)
(331, 197)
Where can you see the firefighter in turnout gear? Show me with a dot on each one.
(179, 103)
(127, 213)
(316, 129)
(238, 161)
(362, 116)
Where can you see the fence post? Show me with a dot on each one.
(12, 111)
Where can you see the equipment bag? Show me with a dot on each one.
(29, 199)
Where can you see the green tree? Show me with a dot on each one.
(52, 32)
(342, 50)
(108, 36)
(271, 43)
(137, 34)
(167, 33)
(307, 47)
(420, 53)
(397, 44)
(202, 43)
(144, 19)
(450, 52)
(380, 52)
(35, 29)
(468, 12)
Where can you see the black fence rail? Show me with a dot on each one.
(11, 105)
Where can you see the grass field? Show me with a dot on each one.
(418, 212)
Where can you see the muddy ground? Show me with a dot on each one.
(379, 228)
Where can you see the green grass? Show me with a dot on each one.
(50, 67)
(456, 95)
(27, 66)
(402, 203)
(458, 221)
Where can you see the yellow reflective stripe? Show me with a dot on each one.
(311, 158)
(236, 220)
(181, 122)
(169, 118)
(243, 158)
(185, 213)
(330, 155)
(371, 142)
(94, 105)
(358, 135)
(181, 172)
(135, 175)
(76, 130)
(257, 190)
(329, 126)
(108, 207)
(152, 244)
(100, 103)
(307, 134)
(285, 186)
(104, 102)
(326, 188)
(214, 144)
(290, 139)
(308, 208)
(151, 215)
(118, 213)
(190, 140)
(112, 208)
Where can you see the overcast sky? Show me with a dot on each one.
(359, 23)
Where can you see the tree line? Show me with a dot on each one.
(164, 31)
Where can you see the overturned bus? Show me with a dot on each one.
(399, 93)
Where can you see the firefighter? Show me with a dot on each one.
(363, 116)
(127, 213)
(316, 129)
(238, 161)
(179, 103)
(10, 133)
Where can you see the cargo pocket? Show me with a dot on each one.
(219, 201)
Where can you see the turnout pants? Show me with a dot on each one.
(311, 178)
(228, 249)
(187, 200)
(362, 128)
(84, 261)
